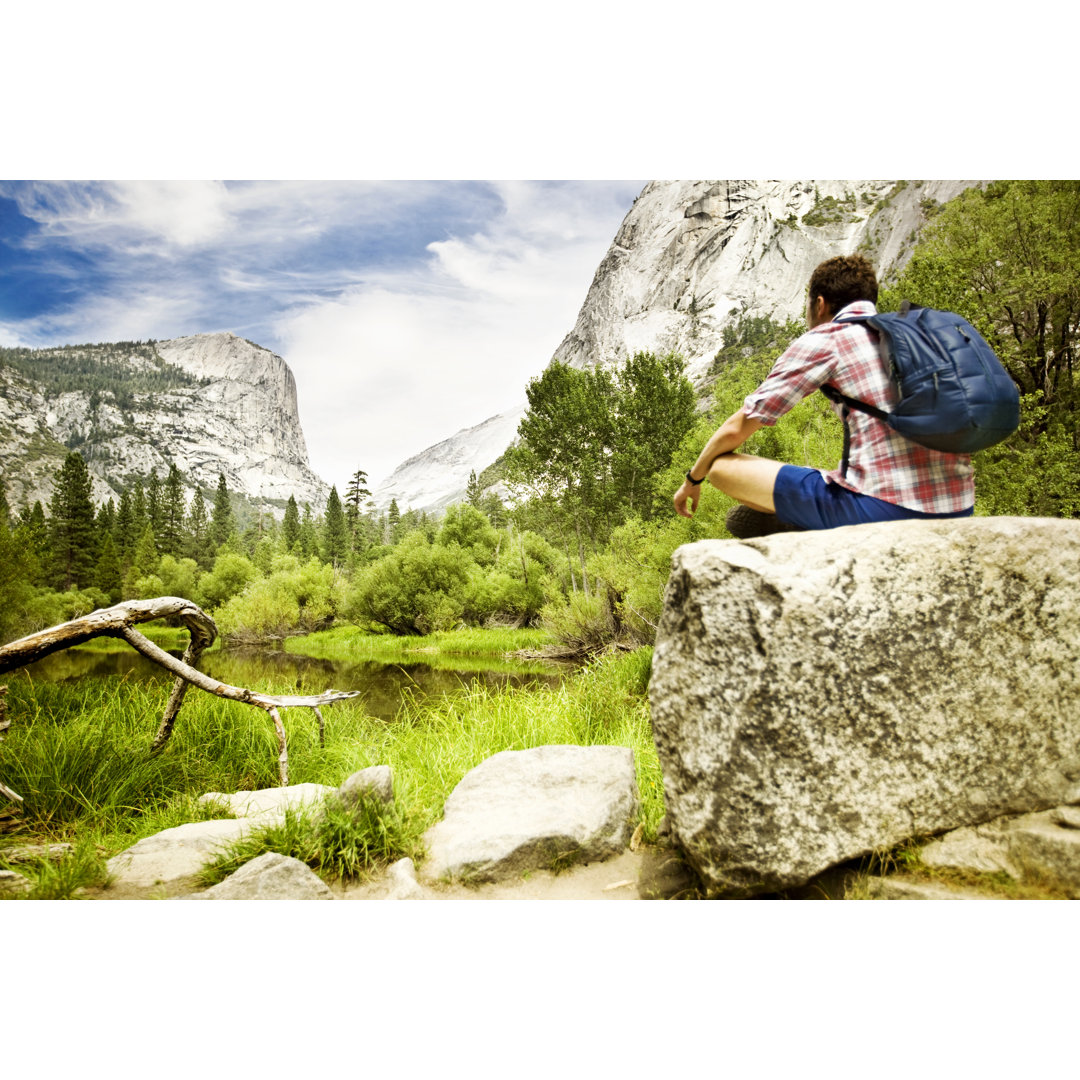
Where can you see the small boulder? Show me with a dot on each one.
(268, 802)
(176, 853)
(377, 782)
(534, 809)
(13, 885)
(269, 877)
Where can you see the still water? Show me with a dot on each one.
(383, 685)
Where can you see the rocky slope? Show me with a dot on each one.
(689, 256)
(227, 406)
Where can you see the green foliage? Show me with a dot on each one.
(294, 599)
(418, 588)
(335, 530)
(230, 575)
(71, 523)
(469, 529)
(1005, 257)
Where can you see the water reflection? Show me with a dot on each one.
(383, 685)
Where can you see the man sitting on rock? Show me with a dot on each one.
(887, 477)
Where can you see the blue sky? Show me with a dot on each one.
(406, 309)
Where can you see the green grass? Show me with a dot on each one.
(78, 752)
(349, 643)
(334, 840)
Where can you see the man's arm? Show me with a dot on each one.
(730, 435)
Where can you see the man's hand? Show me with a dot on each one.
(688, 493)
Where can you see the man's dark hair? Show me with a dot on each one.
(844, 280)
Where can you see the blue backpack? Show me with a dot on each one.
(955, 396)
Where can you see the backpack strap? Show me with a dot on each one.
(850, 403)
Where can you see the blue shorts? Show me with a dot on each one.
(802, 497)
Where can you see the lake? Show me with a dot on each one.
(383, 685)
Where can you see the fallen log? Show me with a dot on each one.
(120, 620)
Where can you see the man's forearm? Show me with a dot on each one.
(731, 434)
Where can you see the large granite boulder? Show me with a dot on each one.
(818, 696)
(535, 809)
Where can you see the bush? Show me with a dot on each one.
(293, 600)
(419, 588)
(231, 574)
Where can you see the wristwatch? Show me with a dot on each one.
(696, 483)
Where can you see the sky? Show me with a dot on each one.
(407, 310)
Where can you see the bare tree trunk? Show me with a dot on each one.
(119, 620)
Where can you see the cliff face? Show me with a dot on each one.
(693, 254)
(690, 256)
(227, 407)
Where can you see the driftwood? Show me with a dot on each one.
(119, 621)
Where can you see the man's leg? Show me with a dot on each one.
(747, 478)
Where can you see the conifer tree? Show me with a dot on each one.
(309, 542)
(71, 524)
(335, 531)
(172, 514)
(109, 576)
(355, 494)
(155, 506)
(290, 527)
(393, 517)
(138, 512)
(222, 521)
(198, 527)
(473, 490)
(124, 529)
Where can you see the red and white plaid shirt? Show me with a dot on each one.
(881, 463)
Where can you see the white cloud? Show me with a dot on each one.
(408, 359)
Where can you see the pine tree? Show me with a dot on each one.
(124, 530)
(309, 542)
(290, 527)
(393, 517)
(33, 533)
(355, 494)
(155, 506)
(335, 531)
(138, 512)
(109, 576)
(222, 521)
(172, 514)
(198, 527)
(473, 490)
(71, 524)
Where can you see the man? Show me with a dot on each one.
(886, 476)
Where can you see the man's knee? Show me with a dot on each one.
(746, 478)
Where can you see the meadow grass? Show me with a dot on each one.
(351, 643)
(78, 751)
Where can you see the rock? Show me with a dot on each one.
(269, 877)
(174, 854)
(532, 809)
(1067, 816)
(377, 781)
(822, 695)
(1049, 853)
(890, 888)
(232, 411)
(30, 852)
(980, 849)
(269, 802)
(13, 885)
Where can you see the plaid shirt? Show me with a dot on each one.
(881, 462)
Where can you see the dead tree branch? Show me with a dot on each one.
(119, 621)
